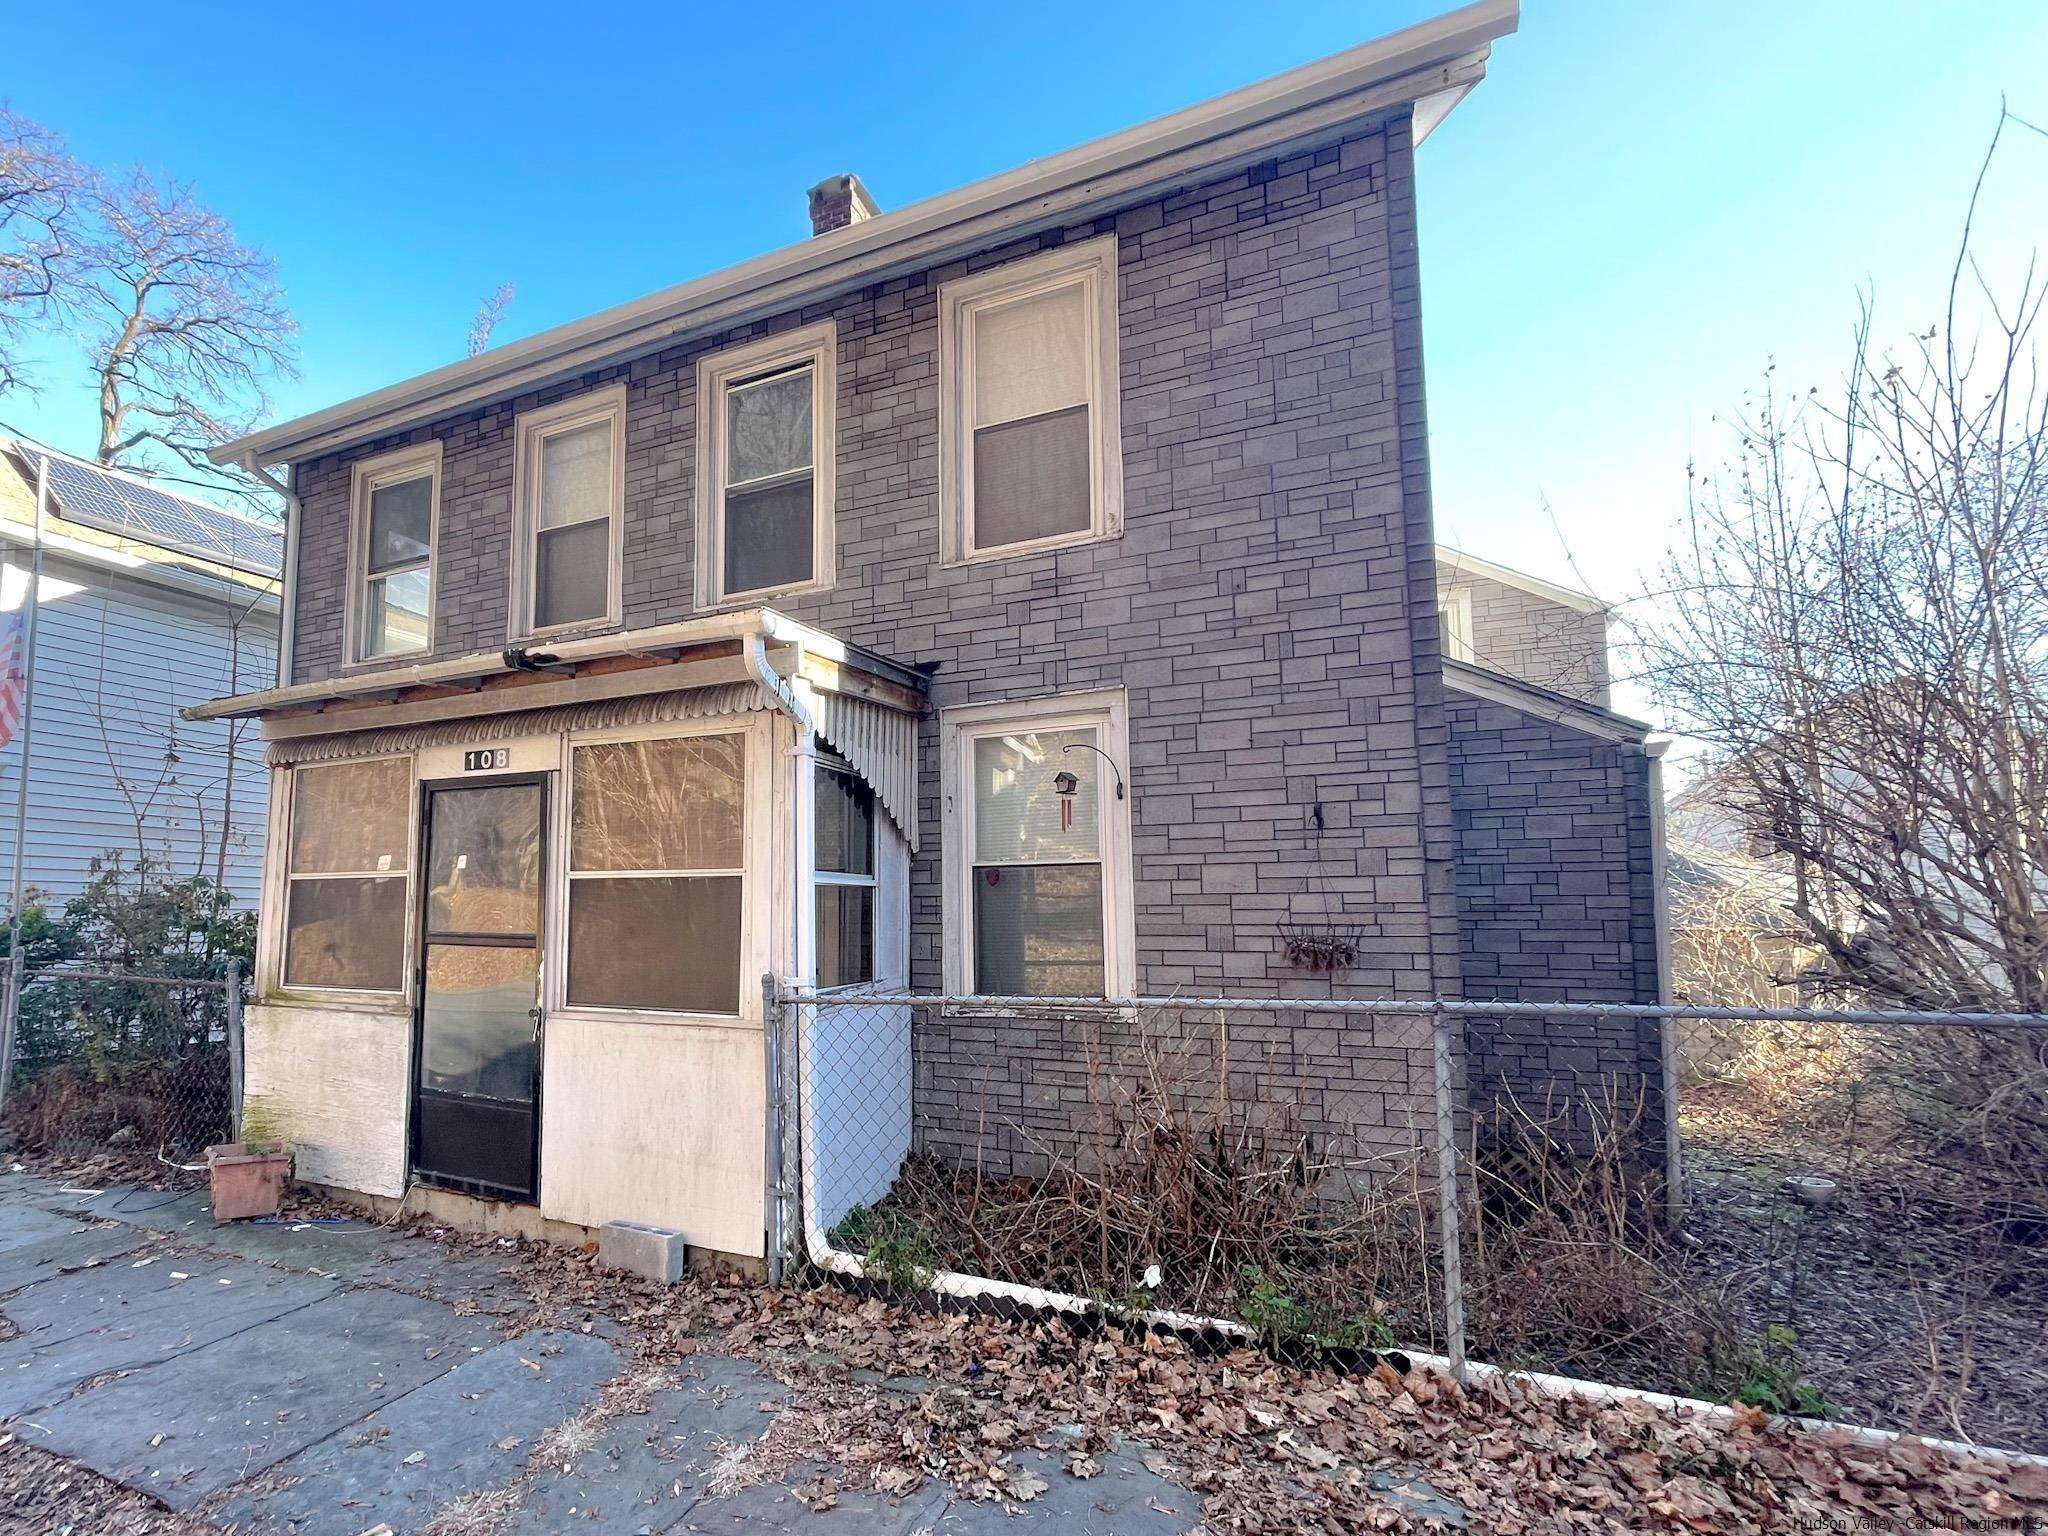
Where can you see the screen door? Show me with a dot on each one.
(475, 1122)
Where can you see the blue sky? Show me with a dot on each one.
(1642, 205)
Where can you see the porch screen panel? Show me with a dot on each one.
(347, 869)
(656, 850)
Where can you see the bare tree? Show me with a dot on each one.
(488, 314)
(187, 327)
(1856, 619)
(42, 193)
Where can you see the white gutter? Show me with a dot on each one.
(288, 601)
(1304, 108)
(1667, 1036)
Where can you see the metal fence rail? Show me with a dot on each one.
(97, 1060)
(1852, 1221)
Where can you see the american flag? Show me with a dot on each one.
(13, 680)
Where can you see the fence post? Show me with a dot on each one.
(1447, 1190)
(772, 1006)
(10, 1011)
(233, 984)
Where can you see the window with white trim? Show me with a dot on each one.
(395, 506)
(764, 466)
(348, 876)
(1029, 434)
(1038, 835)
(845, 874)
(570, 479)
(657, 839)
(1454, 619)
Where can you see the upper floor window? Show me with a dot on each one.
(764, 466)
(1454, 619)
(395, 505)
(1037, 840)
(570, 485)
(1029, 435)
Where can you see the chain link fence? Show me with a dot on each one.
(1853, 1225)
(139, 1071)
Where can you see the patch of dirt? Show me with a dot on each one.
(42, 1493)
(1907, 1302)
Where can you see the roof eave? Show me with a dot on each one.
(1437, 61)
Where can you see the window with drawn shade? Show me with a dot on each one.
(573, 526)
(768, 536)
(1037, 868)
(845, 878)
(1030, 432)
(656, 855)
(347, 874)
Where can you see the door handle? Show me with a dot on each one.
(537, 1014)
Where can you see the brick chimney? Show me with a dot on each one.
(838, 201)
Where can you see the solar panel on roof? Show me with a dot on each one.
(115, 504)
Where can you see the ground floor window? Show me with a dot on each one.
(845, 877)
(1040, 849)
(656, 870)
(347, 876)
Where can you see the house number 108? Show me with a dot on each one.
(486, 759)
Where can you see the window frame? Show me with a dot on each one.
(826, 762)
(1105, 710)
(756, 920)
(275, 958)
(531, 429)
(1090, 265)
(1456, 628)
(718, 373)
(367, 477)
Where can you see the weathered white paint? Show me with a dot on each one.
(659, 1123)
(332, 1083)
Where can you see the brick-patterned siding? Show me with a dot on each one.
(1521, 634)
(1270, 606)
(1556, 903)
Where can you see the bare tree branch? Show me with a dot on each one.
(488, 314)
(42, 218)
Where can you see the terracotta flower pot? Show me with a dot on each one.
(248, 1178)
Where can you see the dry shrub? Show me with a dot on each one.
(178, 1103)
(1573, 1267)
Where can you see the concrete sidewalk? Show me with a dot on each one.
(326, 1379)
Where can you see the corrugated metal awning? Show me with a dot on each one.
(880, 742)
(648, 709)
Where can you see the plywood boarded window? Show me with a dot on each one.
(656, 855)
(348, 875)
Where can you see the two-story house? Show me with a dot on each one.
(1028, 592)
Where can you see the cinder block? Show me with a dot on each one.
(652, 1253)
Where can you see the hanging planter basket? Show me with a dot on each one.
(1319, 949)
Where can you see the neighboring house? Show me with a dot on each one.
(1511, 622)
(148, 597)
(1030, 592)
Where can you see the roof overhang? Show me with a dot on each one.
(1429, 67)
(1545, 704)
(1473, 565)
(753, 645)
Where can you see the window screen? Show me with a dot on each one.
(347, 873)
(572, 526)
(655, 874)
(397, 567)
(845, 938)
(770, 481)
(1037, 865)
(1031, 431)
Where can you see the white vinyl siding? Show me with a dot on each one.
(116, 657)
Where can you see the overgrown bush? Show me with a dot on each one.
(100, 1062)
